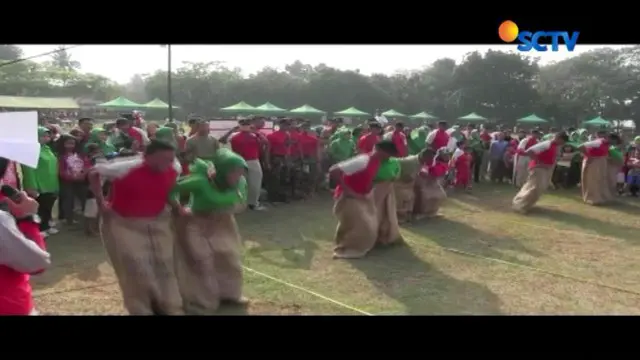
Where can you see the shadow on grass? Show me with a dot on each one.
(293, 231)
(421, 288)
(73, 255)
(456, 235)
(603, 228)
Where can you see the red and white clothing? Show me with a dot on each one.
(525, 144)
(544, 153)
(358, 174)
(462, 165)
(130, 195)
(437, 169)
(21, 253)
(596, 148)
(438, 139)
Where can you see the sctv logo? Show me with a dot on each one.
(509, 32)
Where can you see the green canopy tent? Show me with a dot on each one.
(597, 121)
(473, 117)
(531, 119)
(239, 108)
(351, 112)
(120, 103)
(393, 114)
(269, 109)
(306, 110)
(158, 104)
(422, 116)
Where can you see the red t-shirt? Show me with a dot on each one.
(400, 140)
(596, 148)
(440, 140)
(546, 153)
(296, 145)
(309, 144)
(246, 144)
(131, 195)
(279, 143)
(359, 173)
(368, 142)
(135, 135)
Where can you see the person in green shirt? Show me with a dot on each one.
(342, 147)
(207, 254)
(41, 182)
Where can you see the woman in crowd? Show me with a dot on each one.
(41, 182)
(209, 267)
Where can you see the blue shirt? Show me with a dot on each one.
(496, 151)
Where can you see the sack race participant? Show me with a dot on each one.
(429, 193)
(521, 168)
(354, 206)
(136, 228)
(595, 176)
(208, 259)
(541, 164)
(385, 201)
(403, 187)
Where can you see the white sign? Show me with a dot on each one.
(19, 137)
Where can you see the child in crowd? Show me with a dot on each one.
(633, 175)
(72, 174)
(462, 165)
(562, 176)
(94, 156)
(509, 157)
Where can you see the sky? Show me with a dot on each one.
(121, 62)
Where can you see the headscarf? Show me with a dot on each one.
(226, 161)
(94, 138)
(417, 138)
(166, 135)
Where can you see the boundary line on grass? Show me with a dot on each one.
(310, 292)
(256, 272)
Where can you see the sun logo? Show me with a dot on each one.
(508, 31)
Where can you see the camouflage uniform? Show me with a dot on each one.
(278, 179)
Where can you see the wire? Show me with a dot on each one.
(38, 55)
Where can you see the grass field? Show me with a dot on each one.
(479, 258)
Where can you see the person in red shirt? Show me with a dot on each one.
(136, 230)
(543, 160)
(22, 252)
(311, 150)
(399, 138)
(247, 142)
(595, 170)
(279, 162)
(354, 207)
(367, 142)
(462, 163)
(438, 138)
(295, 160)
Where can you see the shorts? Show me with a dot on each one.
(91, 209)
(633, 180)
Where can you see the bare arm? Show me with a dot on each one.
(17, 251)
